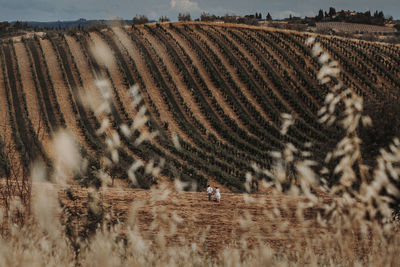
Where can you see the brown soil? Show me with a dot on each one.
(352, 77)
(31, 97)
(151, 87)
(289, 67)
(233, 74)
(237, 217)
(5, 128)
(124, 95)
(89, 92)
(28, 85)
(125, 46)
(255, 64)
(203, 73)
(178, 81)
(62, 92)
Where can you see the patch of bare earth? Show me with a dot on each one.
(236, 218)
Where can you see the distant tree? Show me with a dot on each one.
(207, 17)
(269, 18)
(184, 17)
(311, 23)
(249, 21)
(4, 26)
(250, 16)
(365, 17)
(296, 26)
(140, 19)
(332, 11)
(320, 15)
(163, 19)
(229, 18)
(117, 22)
(94, 26)
(18, 25)
(378, 18)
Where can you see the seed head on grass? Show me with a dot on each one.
(68, 160)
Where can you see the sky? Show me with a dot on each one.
(53, 10)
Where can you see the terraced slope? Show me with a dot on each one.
(214, 94)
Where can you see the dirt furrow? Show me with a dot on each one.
(255, 64)
(89, 93)
(151, 88)
(6, 130)
(125, 43)
(177, 79)
(309, 61)
(117, 77)
(203, 73)
(233, 74)
(88, 81)
(31, 97)
(293, 68)
(28, 86)
(352, 79)
(61, 91)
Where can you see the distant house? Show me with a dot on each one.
(344, 13)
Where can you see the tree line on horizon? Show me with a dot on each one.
(378, 18)
(331, 15)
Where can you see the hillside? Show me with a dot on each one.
(213, 93)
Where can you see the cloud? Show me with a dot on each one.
(287, 13)
(184, 5)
